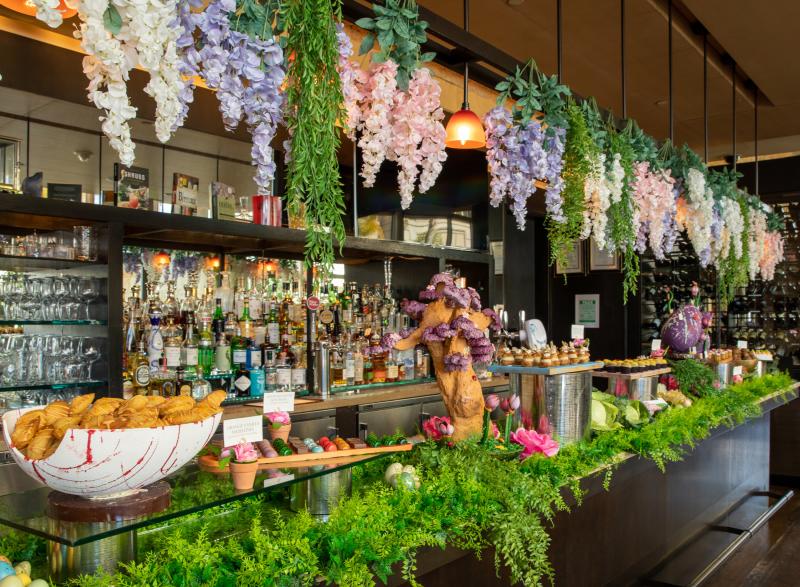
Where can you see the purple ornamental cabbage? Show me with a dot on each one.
(683, 329)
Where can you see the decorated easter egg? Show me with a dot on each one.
(392, 470)
(12, 581)
(6, 569)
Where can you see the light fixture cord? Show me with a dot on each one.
(465, 105)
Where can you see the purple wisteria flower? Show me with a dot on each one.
(456, 362)
(246, 72)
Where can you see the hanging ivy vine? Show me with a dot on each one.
(579, 151)
(314, 104)
(622, 230)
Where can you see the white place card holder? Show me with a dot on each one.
(737, 370)
(279, 401)
(577, 331)
(238, 430)
(741, 344)
(655, 344)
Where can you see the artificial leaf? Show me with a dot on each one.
(366, 23)
(366, 44)
(112, 20)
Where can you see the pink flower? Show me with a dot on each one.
(244, 453)
(737, 379)
(495, 431)
(492, 401)
(533, 442)
(278, 419)
(437, 428)
(510, 405)
(695, 289)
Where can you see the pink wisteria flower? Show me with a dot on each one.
(656, 205)
(533, 442)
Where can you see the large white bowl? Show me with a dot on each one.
(97, 463)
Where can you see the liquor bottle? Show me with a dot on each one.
(337, 323)
(299, 372)
(189, 350)
(254, 355)
(200, 387)
(231, 325)
(273, 323)
(392, 369)
(257, 382)
(130, 339)
(225, 293)
(239, 296)
(241, 380)
(218, 318)
(163, 382)
(238, 348)
(245, 322)
(347, 309)
(222, 354)
(139, 368)
(171, 308)
(368, 370)
(286, 310)
(350, 363)
(255, 304)
(378, 357)
(358, 365)
(183, 382)
(337, 367)
(172, 344)
(189, 304)
(205, 348)
(127, 383)
(155, 342)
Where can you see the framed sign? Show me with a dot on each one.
(602, 260)
(587, 310)
(71, 192)
(573, 262)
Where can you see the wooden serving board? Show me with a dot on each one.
(560, 370)
(210, 463)
(632, 376)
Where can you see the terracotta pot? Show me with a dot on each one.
(282, 432)
(243, 474)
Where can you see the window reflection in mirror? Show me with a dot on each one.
(9, 164)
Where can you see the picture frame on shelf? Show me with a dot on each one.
(574, 261)
(602, 260)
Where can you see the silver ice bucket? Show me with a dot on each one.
(321, 495)
(724, 373)
(562, 406)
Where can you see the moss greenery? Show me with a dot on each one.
(468, 500)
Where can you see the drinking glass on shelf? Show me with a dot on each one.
(34, 365)
(51, 349)
(70, 300)
(31, 302)
(74, 364)
(88, 291)
(85, 243)
(91, 354)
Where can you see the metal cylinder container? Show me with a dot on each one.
(321, 495)
(724, 373)
(562, 406)
(69, 562)
(322, 370)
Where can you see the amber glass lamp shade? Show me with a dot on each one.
(27, 7)
(465, 131)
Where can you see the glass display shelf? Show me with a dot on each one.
(375, 386)
(53, 322)
(191, 491)
(20, 263)
(65, 385)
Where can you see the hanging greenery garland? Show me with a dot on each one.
(621, 212)
(314, 105)
(579, 153)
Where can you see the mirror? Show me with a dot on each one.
(9, 163)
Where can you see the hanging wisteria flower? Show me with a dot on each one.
(189, 58)
(107, 65)
(597, 191)
(376, 127)
(698, 215)
(734, 226)
(47, 11)
(501, 138)
(353, 80)
(771, 254)
(149, 27)
(757, 235)
(655, 199)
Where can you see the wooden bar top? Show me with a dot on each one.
(347, 399)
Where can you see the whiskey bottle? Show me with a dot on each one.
(172, 344)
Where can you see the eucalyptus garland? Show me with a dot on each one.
(621, 225)
(579, 152)
(314, 105)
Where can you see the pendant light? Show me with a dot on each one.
(464, 129)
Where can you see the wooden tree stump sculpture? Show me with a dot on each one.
(452, 326)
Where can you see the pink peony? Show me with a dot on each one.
(278, 419)
(533, 442)
(244, 452)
